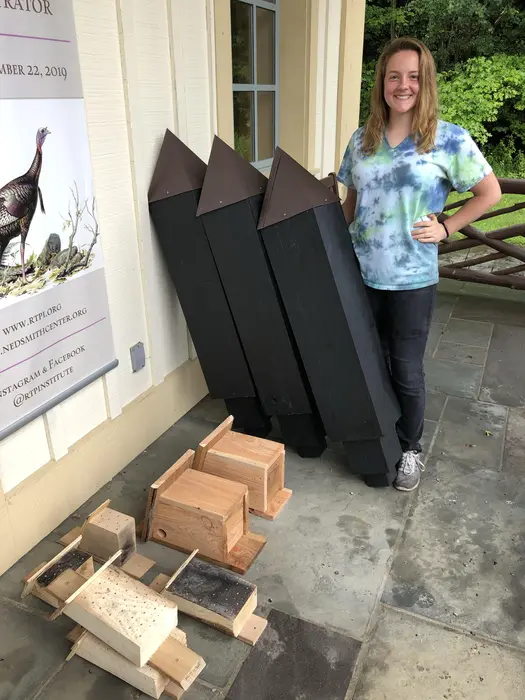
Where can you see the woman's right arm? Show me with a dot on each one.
(349, 205)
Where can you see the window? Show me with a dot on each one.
(255, 76)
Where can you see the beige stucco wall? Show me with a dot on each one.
(147, 66)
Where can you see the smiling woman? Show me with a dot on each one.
(400, 168)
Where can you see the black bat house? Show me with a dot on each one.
(173, 200)
(312, 257)
(230, 206)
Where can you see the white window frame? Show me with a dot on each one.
(255, 87)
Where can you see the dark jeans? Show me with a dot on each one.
(403, 320)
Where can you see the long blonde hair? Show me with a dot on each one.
(424, 122)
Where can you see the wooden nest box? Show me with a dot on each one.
(189, 510)
(253, 461)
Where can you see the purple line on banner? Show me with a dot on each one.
(53, 344)
(37, 38)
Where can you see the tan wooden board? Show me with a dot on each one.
(123, 613)
(201, 511)
(248, 449)
(146, 679)
(210, 441)
(159, 583)
(137, 565)
(160, 485)
(108, 531)
(253, 629)
(88, 582)
(205, 492)
(70, 536)
(176, 661)
(95, 513)
(255, 462)
(275, 507)
(31, 580)
(174, 691)
(239, 559)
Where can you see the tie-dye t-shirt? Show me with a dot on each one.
(397, 187)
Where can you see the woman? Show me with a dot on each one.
(399, 169)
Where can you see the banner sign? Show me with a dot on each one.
(55, 332)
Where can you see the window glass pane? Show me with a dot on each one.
(265, 46)
(242, 124)
(242, 34)
(265, 124)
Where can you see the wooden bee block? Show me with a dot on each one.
(122, 612)
(209, 593)
(253, 461)
(146, 679)
(107, 532)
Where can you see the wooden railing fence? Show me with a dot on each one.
(507, 276)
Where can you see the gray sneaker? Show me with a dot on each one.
(409, 472)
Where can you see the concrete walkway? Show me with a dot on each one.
(426, 592)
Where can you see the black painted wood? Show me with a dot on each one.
(213, 588)
(173, 200)
(72, 560)
(319, 280)
(194, 274)
(249, 416)
(230, 208)
(296, 659)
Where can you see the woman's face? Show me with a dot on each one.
(401, 84)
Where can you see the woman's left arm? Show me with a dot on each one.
(486, 193)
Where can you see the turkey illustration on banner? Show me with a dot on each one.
(55, 331)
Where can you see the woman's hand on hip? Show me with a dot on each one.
(429, 231)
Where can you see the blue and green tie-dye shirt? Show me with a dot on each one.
(396, 187)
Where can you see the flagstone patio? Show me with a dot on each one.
(371, 594)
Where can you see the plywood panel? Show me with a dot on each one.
(150, 99)
(101, 69)
(23, 453)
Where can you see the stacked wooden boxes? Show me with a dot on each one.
(255, 462)
(130, 629)
(188, 510)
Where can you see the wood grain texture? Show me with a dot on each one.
(160, 485)
(70, 536)
(201, 511)
(108, 531)
(180, 664)
(275, 506)
(146, 679)
(255, 462)
(123, 613)
(208, 493)
(210, 441)
(137, 565)
(253, 629)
